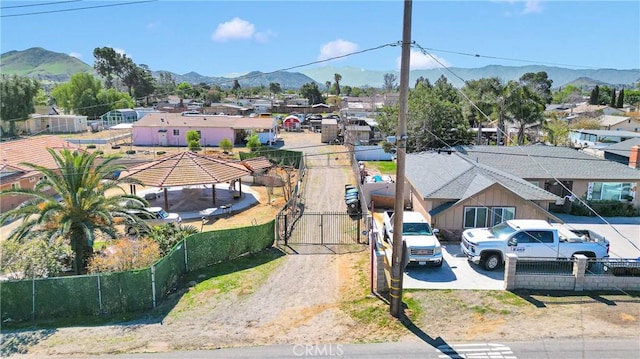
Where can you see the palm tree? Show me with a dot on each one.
(337, 78)
(78, 209)
(328, 85)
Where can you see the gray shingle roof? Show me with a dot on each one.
(623, 148)
(540, 161)
(454, 177)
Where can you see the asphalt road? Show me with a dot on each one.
(425, 349)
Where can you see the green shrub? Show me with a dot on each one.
(161, 152)
(604, 208)
(226, 145)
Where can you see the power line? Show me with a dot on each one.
(509, 59)
(79, 8)
(521, 149)
(40, 4)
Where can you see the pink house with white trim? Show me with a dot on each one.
(170, 129)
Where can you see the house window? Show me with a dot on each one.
(15, 185)
(609, 191)
(501, 214)
(176, 132)
(475, 217)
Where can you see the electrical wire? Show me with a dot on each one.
(522, 149)
(78, 8)
(39, 4)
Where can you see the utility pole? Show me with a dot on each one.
(397, 258)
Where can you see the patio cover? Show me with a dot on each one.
(186, 169)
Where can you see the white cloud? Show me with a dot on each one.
(532, 7)
(122, 52)
(336, 48)
(234, 29)
(265, 36)
(77, 55)
(420, 61)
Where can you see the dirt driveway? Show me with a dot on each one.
(321, 298)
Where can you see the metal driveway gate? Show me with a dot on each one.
(323, 228)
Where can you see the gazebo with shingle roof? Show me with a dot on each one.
(187, 169)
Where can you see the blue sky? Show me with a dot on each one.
(221, 38)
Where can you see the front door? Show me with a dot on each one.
(162, 139)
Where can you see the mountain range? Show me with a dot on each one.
(49, 66)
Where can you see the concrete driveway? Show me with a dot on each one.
(456, 273)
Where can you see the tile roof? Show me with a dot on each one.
(257, 163)
(540, 161)
(186, 169)
(454, 177)
(31, 150)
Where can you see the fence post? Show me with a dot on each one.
(186, 263)
(33, 298)
(510, 271)
(358, 233)
(322, 228)
(286, 230)
(579, 268)
(99, 294)
(153, 284)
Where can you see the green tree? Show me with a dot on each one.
(140, 81)
(108, 64)
(226, 145)
(39, 257)
(390, 82)
(556, 132)
(193, 140)
(387, 119)
(275, 88)
(311, 92)
(253, 143)
(166, 83)
(612, 100)
(485, 96)
(620, 103)
(169, 234)
(184, 90)
(236, 87)
(632, 97)
(337, 78)
(83, 209)
(327, 84)
(568, 94)
(213, 95)
(595, 93)
(604, 95)
(539, 83)
(18, 95)
(525, 106)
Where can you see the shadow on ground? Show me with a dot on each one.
(19, 342)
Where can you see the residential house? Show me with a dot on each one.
(456, 192)
(561, 170)
(619, 123)
(622, 152)
(14, 174)
(598, 138)
(357, 134)
(477, 186)
(227, 109)
(169, 129)
(37, 124)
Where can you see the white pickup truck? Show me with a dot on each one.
(530, 238)
(423, 246)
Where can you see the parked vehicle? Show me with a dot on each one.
(352, 199)
(422, 244)
(148, 217)
(530, 238)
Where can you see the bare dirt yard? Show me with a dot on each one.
(273, 298)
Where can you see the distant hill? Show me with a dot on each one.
(42, 64)
(287, 80)
(352, 76)
(58, 67)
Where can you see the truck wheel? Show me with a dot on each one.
(490, 261)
